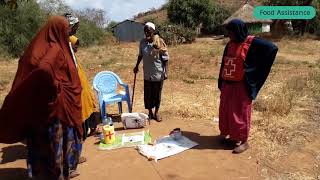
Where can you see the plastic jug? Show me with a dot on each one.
(109, 134)
(107, 121)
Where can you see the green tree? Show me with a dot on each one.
(18, 26)
(97, 16)
(190, 13)
(110, 26)
(13, 4)
(313, 25)
(193, 13)
(299, 26)
(89, 33)
(91, 30)
(287, 2)
(54, 7)
(91, 20)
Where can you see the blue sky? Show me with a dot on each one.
(117, 10)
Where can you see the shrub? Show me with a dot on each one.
(176, 34)
(18, 26)
(89, 33)
(197, 13)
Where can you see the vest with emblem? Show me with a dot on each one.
(233, 62)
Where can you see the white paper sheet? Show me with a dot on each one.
(166, 147)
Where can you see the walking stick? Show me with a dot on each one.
(134, 85)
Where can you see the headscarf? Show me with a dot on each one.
(71, 19)
(239, 28)
(73, 40)
(46, 86)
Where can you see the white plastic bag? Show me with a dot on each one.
(134, 120)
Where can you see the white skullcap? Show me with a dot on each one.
(150, 24)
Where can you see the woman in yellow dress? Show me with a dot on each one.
(88, 101)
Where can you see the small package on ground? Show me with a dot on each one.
(165, 147)
(134, 120)
(127, 140)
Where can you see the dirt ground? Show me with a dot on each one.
(285, 129)
(209, 160)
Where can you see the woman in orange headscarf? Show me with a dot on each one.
(44, 104)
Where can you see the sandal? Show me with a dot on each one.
(82, 160)
(241, 148)
(73, 174)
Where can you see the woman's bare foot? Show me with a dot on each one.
(157, 117)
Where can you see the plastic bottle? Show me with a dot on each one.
(109, 121)
(105, 121)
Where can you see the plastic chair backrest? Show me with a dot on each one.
(106, 82)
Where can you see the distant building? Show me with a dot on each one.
(245, 13)
(128, 31)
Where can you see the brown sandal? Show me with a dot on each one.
(82, 160)
(241, 148)
(73, 174)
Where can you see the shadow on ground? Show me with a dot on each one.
(206, 142)
(13, 153)
(13, 174)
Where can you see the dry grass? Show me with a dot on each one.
(288, 107)
(286, 113)
(7, 72)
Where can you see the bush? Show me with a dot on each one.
(197, 13)
(176, 34)
(313, 26)
(254, 28)
(213, 23)
(18, 26)
(89, 33)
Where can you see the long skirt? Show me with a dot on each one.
(53, 152)
(235, 111)
(152, 94)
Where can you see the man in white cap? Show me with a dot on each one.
(153, 52)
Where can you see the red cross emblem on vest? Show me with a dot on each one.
(230, 67)
(109, 135)
(233, 62)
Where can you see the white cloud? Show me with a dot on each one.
(117, 10)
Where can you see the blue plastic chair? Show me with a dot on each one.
(105, 83)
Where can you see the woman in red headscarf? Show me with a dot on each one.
(44, 104)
